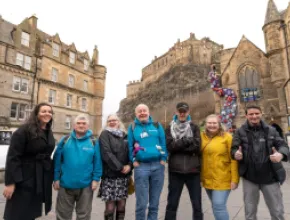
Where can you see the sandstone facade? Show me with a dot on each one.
(36, 67)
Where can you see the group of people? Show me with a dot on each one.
(212, 159)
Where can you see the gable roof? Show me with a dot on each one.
(242, 40)
(6, 29)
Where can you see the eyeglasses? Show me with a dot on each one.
(112, 120)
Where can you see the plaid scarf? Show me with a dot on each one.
(180, 129)
(116, 132)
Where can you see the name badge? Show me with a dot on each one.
(144, 134)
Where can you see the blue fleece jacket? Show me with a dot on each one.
(153, 137)
(77, 162)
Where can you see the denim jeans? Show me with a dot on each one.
(218, 200)
(149, 179)
(175, 187)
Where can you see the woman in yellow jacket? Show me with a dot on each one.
(219, 172)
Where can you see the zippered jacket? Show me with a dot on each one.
(77, 162)
(184, 153)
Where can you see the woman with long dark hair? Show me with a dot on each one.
(29, 170)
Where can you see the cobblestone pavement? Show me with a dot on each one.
(235, 205)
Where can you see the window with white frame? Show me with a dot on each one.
(27, 63)
(71, 80)
(25, 37)
(55, 49)
(86, 65)
(69, 100)
(68, 122)
(85, 85)
(19, 59)
(23, 61)
(84, 104)
(54, 74)
(22, 111)
(20, 84)
(16, 83)
(14, 110)
(51, 97)
(72, 57)
(24, 85)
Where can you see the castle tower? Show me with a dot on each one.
(275, 48)
(275, 43)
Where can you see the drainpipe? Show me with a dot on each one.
(37, 96)
(33, 85)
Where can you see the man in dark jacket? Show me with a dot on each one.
(183, 145)
(260, 150)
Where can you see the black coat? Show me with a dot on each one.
(184, 153)
(115, 154)
(30, 168)
(272, 139)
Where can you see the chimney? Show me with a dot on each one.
(95, 57)
(33, 22)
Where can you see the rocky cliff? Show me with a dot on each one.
(181, 83)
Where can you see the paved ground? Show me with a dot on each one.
(235, 205)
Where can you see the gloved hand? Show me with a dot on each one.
(187, 140)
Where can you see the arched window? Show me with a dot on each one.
(249, 84)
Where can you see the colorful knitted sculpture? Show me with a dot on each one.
(228, 111)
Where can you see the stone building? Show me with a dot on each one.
(36, 67)
(249, 71)
(193, 50)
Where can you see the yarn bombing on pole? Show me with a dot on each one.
(229, 109)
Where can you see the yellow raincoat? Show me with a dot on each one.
(218, 169)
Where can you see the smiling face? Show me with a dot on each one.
(113, 122)
(81, 126)
(253, 116)
(142, 113)
(45, 114)
(212, 125)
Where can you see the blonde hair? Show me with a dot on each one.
(221, 127)
(121, 125)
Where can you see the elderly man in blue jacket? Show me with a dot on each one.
(78, 169)
(146, 139)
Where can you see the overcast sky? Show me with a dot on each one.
(129, 33)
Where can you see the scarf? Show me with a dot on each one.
(116, 132)
(180, 129)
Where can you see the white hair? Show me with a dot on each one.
(82, 117)
(141, 105)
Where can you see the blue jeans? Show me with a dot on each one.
(149, 179)
(218, 200)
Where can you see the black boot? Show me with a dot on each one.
(120, 215)
(109, 216)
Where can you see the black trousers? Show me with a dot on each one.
(175, 187)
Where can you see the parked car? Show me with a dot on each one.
(5, 138)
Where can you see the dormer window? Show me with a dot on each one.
(86, 65)
(72, 57)
(25, 37)
(55, 49)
